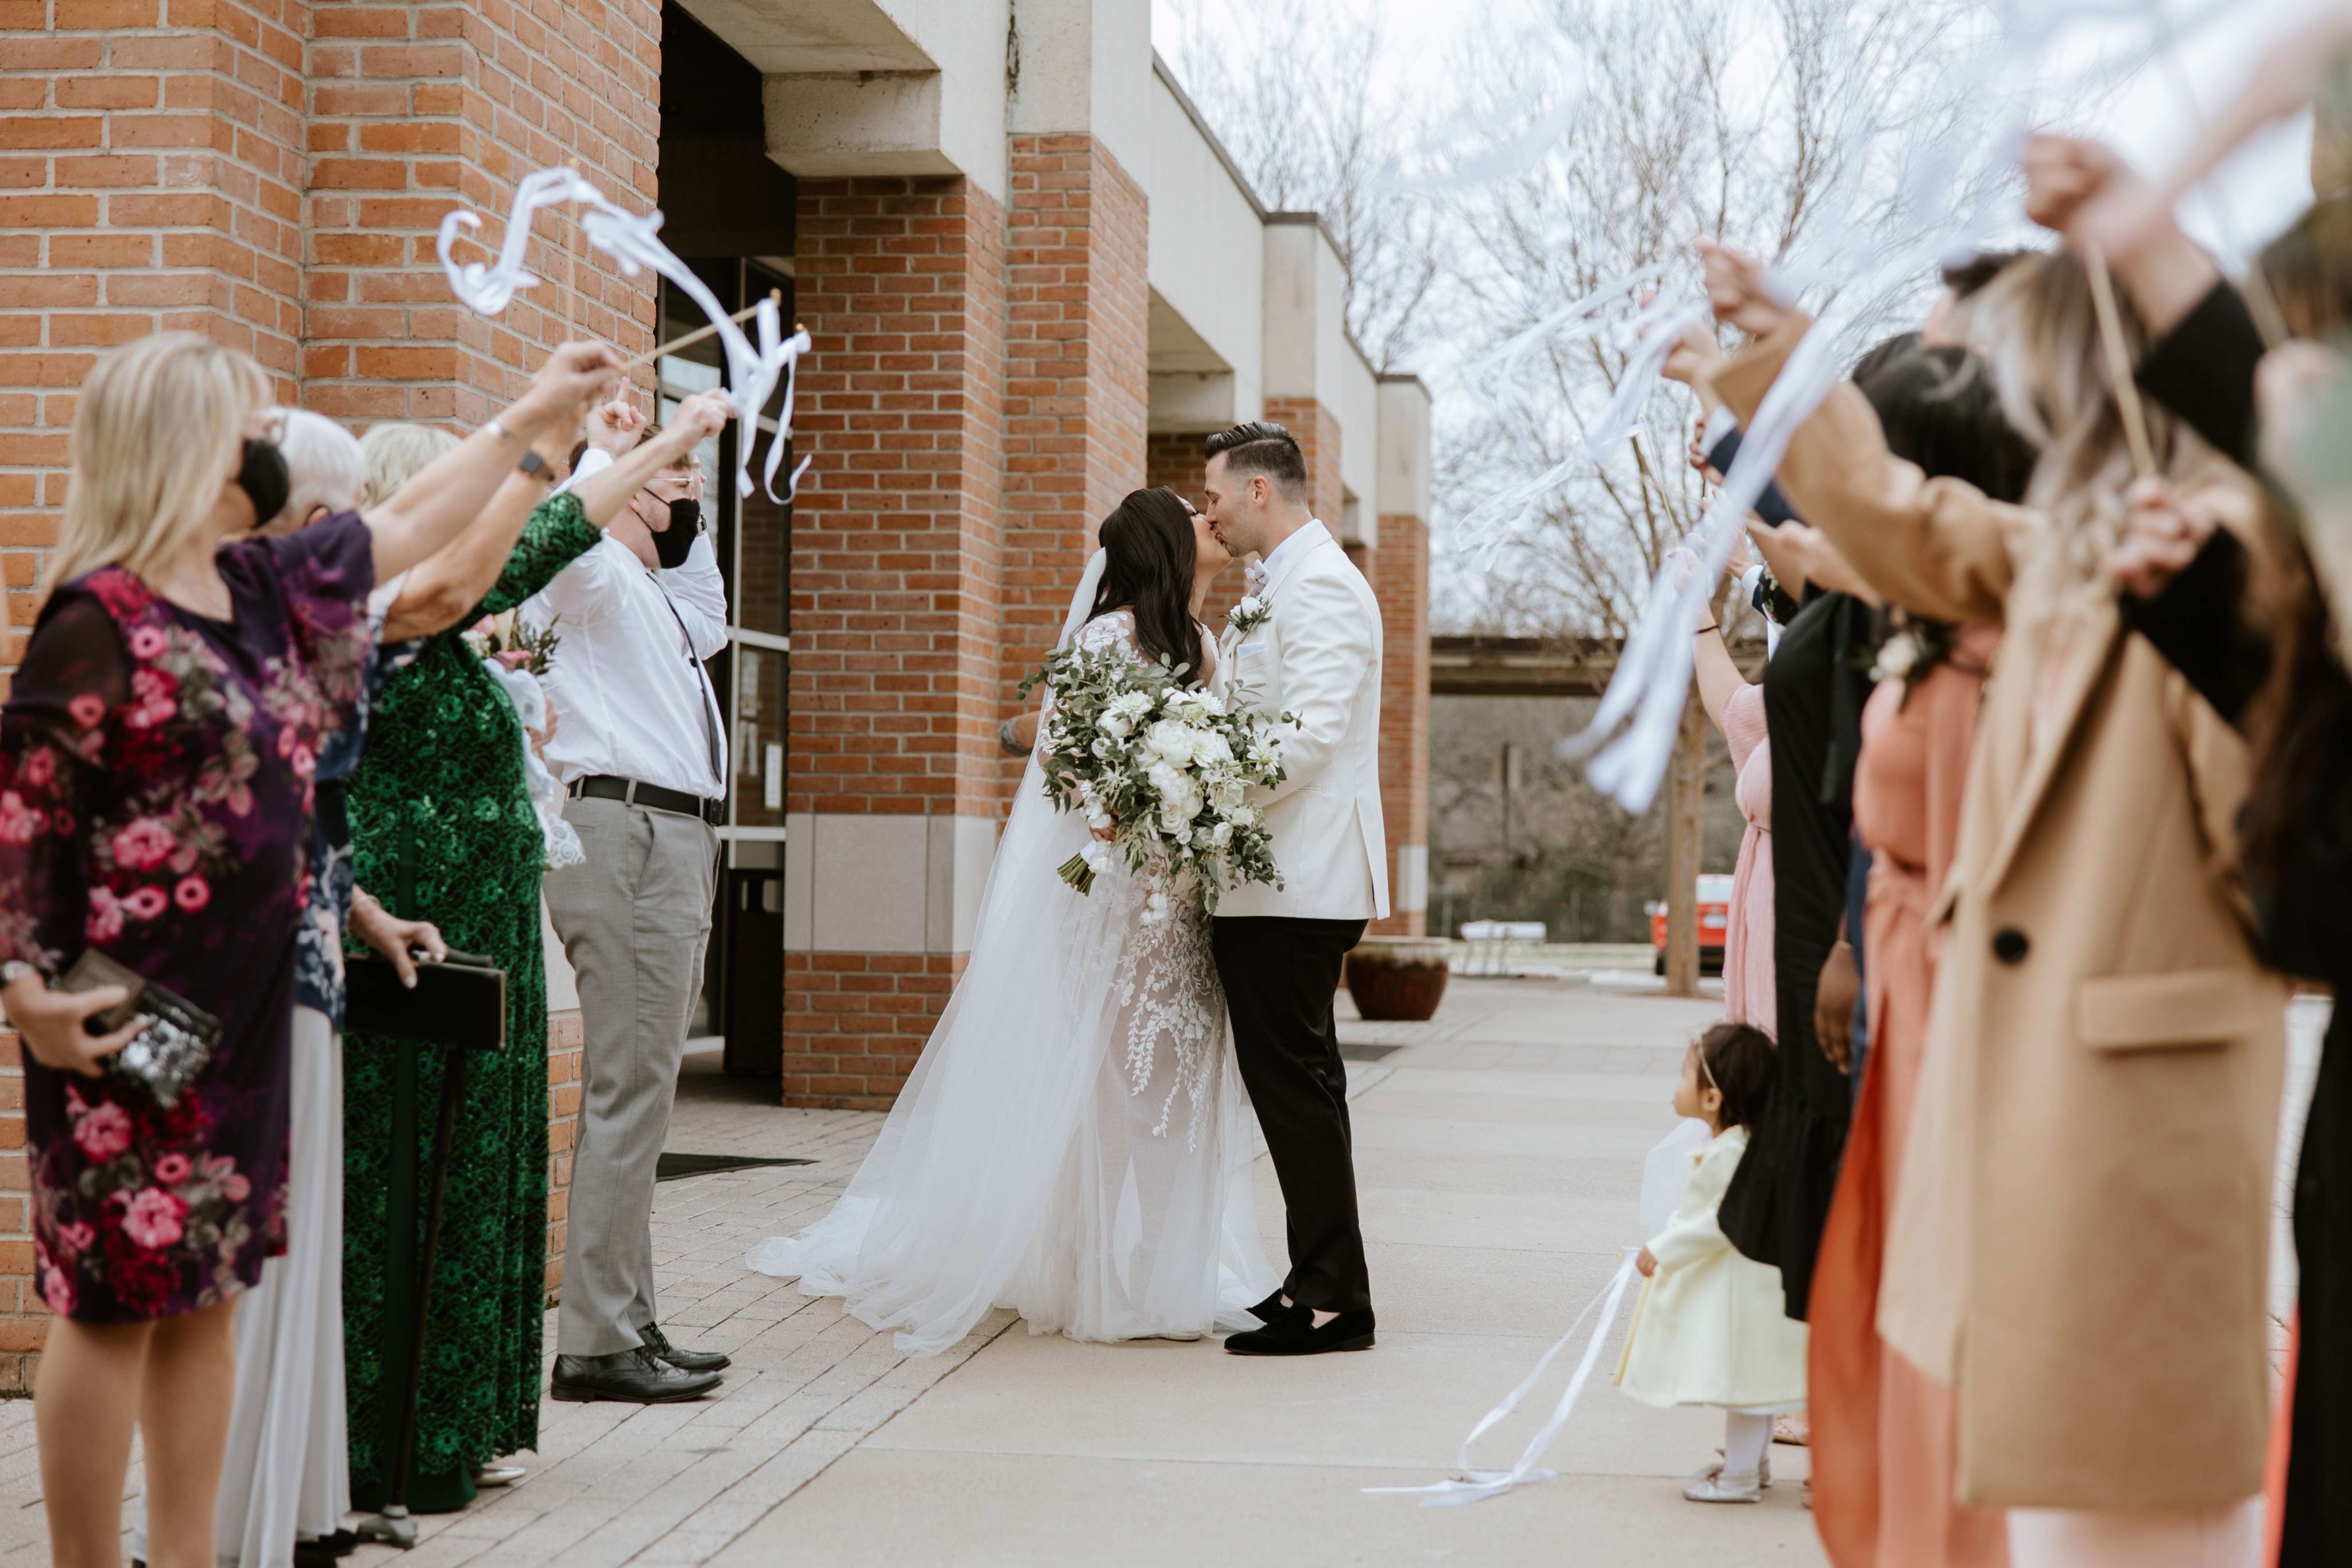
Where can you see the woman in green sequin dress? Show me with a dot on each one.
(443, 829)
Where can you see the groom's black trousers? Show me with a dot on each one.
(1280, 976)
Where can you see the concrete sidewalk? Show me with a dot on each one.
(1499, 1153)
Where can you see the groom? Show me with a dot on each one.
(1308, 643)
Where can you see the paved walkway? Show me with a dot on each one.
(1499, 1151)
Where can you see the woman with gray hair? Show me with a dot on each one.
(444, 829)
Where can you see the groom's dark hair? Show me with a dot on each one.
(1260, 447)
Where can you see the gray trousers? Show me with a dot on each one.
(635, 919)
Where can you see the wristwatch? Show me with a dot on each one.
(14, 970)
(535, 465)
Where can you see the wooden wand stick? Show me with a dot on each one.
(2119, 365)
(700, 333)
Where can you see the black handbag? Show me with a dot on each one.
(161, 1059)
(459, 1002)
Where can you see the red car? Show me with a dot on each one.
(1714, 922)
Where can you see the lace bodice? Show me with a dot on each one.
(1116, 629)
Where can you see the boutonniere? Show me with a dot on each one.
(1910, 652)
(1252, 612)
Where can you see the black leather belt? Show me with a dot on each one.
(609, 786)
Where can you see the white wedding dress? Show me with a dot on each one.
(1075, 1143)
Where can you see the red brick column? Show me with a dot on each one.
(1316, 429)
(896, 672)
(1401, 582)
(1076, 378)
(417, 109)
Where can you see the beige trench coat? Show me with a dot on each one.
(2082, 1225)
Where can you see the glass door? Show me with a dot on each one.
(742, 987)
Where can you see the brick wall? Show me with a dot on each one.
(415, 108)
(895, 564)
(1400, 578)
(150, 178)
(1077, 380)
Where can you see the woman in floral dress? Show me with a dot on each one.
(444, 830)
(156, 755)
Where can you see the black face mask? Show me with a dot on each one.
(263, 476)
(671, 545)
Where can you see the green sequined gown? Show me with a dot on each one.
(443, 829)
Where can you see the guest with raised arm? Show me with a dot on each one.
(444, 831)
(640, 748)
(157, 748)
(2098, 974)
(2263, 648)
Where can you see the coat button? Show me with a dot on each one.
(2009, 946)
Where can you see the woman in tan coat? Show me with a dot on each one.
(2081, 1228)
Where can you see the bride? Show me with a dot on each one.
(1075, 1143)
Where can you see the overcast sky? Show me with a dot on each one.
(2147, 121)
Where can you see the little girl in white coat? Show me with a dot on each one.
(1710, 1327)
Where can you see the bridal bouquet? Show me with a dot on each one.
(1164, 767)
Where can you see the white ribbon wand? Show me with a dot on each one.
(1476, 1484)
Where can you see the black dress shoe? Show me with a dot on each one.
(684, 1360)
(1272, 1307)
(634, 1376)
(1295, 1333)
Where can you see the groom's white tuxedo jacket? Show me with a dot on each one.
(1317, 655)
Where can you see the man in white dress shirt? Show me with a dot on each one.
(1308, 642)
(640, 746)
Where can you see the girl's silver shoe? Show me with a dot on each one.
(1763, 1470)
(498, 1475)
(1720, 1488)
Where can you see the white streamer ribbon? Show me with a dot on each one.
(1480, 150)
(1475, 1485)
(635, 243)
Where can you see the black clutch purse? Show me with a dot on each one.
(459, 1003)
(163, 1058)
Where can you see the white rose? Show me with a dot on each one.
(1114, 723)
(1210, 750)
(1166, 782)
(1222, 835)
(1251, 604)
(1172, 741)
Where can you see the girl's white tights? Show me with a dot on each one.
(1745, 1439)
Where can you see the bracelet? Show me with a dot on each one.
(1696, 631)
(498, 429)
(1004, 739)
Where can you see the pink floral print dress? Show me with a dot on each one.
(155, 801)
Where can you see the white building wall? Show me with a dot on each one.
(1207, 271)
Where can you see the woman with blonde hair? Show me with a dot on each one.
(156, 752)
(2079, 1240)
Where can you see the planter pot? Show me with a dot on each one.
(1398, 979)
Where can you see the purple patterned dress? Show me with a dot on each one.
(156, 798)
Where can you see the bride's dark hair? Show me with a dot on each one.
(1147, 564)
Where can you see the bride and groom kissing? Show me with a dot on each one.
(1073, 1142)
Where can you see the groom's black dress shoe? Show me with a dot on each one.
(1295, 1333)
(684, 1360)
(1272, 1307)
(634, 1376)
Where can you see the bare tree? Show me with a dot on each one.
(1285, 84)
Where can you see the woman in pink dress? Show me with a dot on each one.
(1737, 706)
